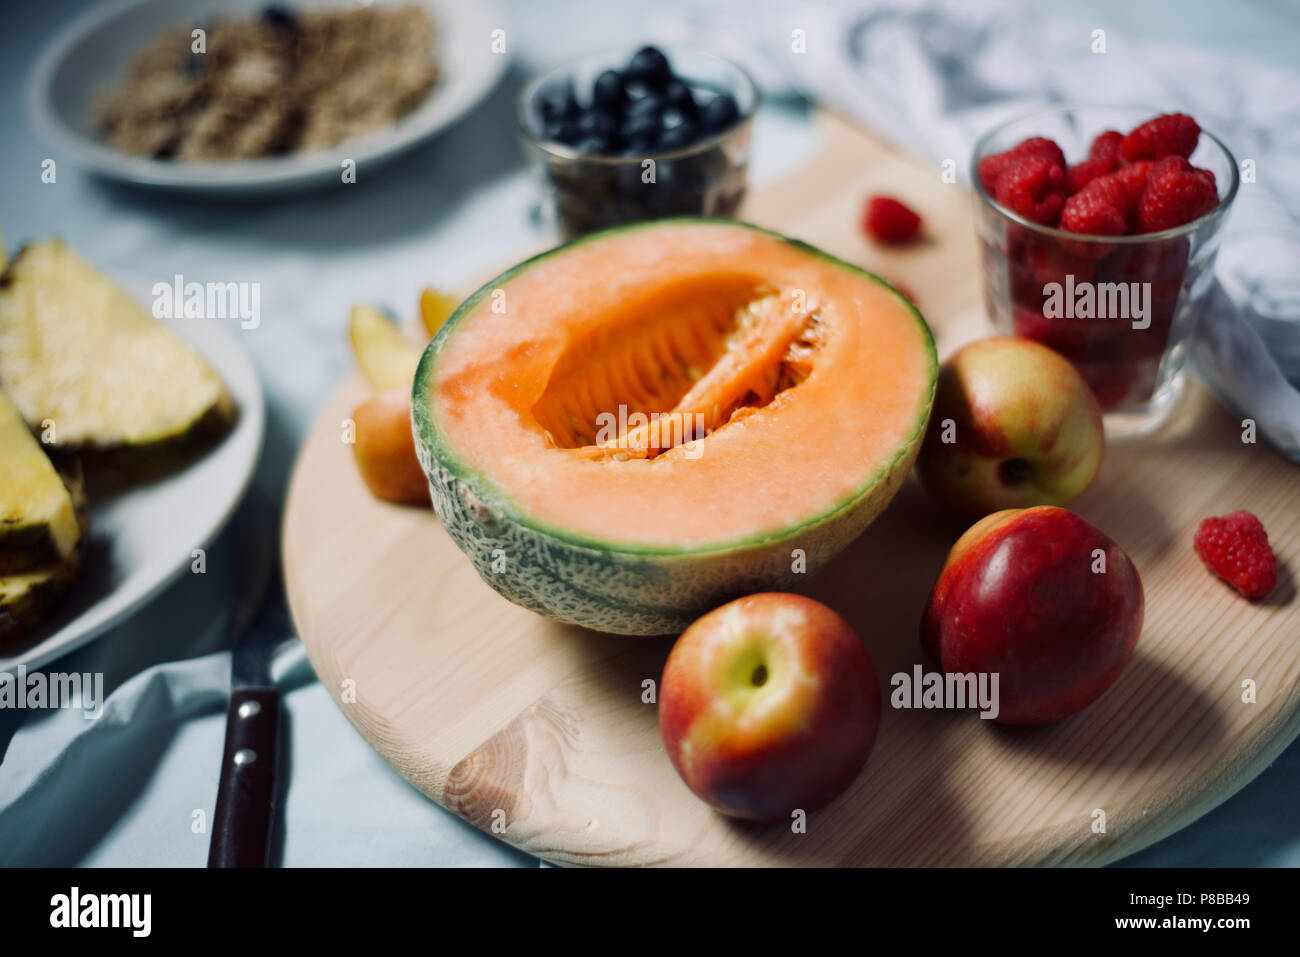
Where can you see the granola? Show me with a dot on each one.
(280, 83)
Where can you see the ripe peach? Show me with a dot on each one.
(385, 449)
(769, 704)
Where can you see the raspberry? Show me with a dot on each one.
(1041, 146)
(1103, 156)
(904, 289)
(1032, 186)
(889, 221)
(1174, 134)
(1235, 547)
(991, 167)
(1134, 179)
(1176, 193)
(1111, 189)
(1104, 207)
(1093, 212)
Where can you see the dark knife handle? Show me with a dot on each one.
(241, 825)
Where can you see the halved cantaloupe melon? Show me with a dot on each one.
(631, 429)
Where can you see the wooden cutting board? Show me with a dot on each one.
(536, 731)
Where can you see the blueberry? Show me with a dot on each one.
(641, 126)
(592, 145)
(597, 123)
(562, 130)
(634, 90)
(648, 106)
(650, 66)
(678, 137)
(607, 92)
(280, 18)
(719, 113)
(642, 146)
(671, 119)
(678, 96)
(556, 101)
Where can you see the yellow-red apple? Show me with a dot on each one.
(1013, 426)
(769, 704)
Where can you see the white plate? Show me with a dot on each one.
(93, 51)
(142, 539)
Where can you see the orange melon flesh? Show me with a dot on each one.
(810, 377)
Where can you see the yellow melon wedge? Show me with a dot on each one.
(386, 358)
(435, 308)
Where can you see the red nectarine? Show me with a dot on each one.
(1043, 599)
(769, 704)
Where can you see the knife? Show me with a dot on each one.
(246, 794)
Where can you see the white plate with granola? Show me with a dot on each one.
(249, 96)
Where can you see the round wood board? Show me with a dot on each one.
(536, 732)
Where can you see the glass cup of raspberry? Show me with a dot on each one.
(1111, 274)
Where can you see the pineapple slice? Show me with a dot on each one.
(91, 369)
(28, 598)
(39, 523)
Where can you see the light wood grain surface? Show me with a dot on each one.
(536, 731)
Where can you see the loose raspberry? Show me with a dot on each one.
(1176, 193)
(1033, 187)
(991, 167)
(1235, 547)
(1103, 156)
(888, 221)
(1174, 134)
(904, 289)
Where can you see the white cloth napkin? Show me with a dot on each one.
(932, 75)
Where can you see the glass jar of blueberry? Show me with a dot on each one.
(622, 139)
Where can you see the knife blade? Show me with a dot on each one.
(247, 791)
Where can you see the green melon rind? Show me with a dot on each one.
(625, 588)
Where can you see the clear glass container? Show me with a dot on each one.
(584, 193)
(1119, 308)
